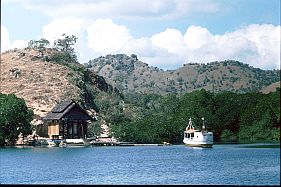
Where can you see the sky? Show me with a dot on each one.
(162, 33)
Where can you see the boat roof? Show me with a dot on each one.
(191, 131)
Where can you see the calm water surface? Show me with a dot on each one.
(176, 164)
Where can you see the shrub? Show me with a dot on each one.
(15, 118)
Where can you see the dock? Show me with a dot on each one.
(106, 143)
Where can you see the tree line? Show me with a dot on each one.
(64, 47)
(153, 118)
(232, 117)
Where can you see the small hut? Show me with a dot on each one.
(67, 120)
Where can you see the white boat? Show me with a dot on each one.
(196, 138)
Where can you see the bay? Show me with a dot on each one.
(224, 164)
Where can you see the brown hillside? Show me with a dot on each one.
(39, 83)
(270, 88)
(130, 75)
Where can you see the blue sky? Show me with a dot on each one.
(163, 33)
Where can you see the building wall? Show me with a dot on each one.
(72, 129)
(53, 128)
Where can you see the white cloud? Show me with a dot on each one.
(19, 44)
(196, 36)
(5, 41)
(7, 44)
(59, 26)
(140, 46)
(70, 26)
(256, 45)
(171, 40)
(105, 37)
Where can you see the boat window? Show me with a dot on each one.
(192, 135)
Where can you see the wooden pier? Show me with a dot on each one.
(101, 143)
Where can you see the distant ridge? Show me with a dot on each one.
(130, 75)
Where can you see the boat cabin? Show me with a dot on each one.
(67, 120)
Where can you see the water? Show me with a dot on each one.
(176, 164)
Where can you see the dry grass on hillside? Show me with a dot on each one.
(40, 83)
(270, 88)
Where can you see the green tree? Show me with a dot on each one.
(66, 44)
(39, 45)
(15, 118)
(227, 110)
(66, 51)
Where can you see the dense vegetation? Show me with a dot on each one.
(152, 118)
(233, 117)
(15, 118)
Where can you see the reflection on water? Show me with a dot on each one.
(261, 146)
(177, 164)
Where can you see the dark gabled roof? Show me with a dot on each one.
(61, 106)
(61, 110)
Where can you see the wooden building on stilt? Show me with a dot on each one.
(67, 120)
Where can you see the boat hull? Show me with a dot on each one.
(200, 145)
(194, 143)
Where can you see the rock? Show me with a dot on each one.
(134, 57)
(15, 72)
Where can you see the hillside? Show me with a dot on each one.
(129, 74)
(43, 83)
(40, 83)
(270, 88)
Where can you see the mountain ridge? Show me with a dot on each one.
(42, 83)
(129, 74)
(102, 84)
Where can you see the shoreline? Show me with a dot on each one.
(245, 145)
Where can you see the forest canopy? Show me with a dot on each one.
(249, 117)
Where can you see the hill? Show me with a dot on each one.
(129, 75)
(270, 88)
(44, 80)
(42, 83)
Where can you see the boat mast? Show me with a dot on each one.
(203, 126)
(189, 126)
